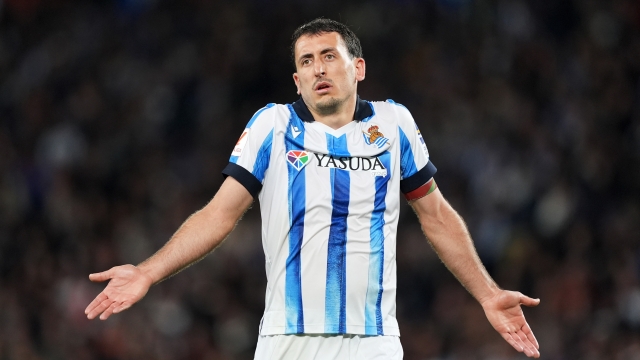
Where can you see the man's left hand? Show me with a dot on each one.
(504, 313)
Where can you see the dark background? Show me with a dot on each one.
(116, 118)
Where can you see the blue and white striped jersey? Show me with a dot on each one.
(329, 201)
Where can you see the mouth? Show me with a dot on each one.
(322, 87)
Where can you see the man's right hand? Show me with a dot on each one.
(127, 285)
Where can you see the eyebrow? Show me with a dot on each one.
(309, 55)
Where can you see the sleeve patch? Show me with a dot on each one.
(242, 141)
(422, 143)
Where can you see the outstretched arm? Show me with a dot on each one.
(447, 233)
(200, 234)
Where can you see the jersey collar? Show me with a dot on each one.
(363, 110)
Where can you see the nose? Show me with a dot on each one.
(319, 68)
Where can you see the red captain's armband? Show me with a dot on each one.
(422, 191)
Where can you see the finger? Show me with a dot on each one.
(121, 308)
(530, 336)
(99, 308)
(532, 350)
(512, 342)
(101, 276)
(105, 315)
(97, 301)
(527, 301)
(518, 339)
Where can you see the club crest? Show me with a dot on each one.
(374, 137)
(297, 158)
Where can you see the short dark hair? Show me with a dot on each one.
(321, 26)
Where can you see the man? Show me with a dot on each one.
(328, 170)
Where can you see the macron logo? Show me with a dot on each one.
(295, 131)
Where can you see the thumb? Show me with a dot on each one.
(527, 301)
(101, 276)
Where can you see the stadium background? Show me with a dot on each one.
(116, 118)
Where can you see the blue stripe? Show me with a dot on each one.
(373, 306)
(234, 159)
(373, 112)
(335, 298)
(262, 159)
(297, 200)
(255, 116)
(407, 161)
(295, 120)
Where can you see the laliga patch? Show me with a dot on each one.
(298, 158)
(237, 150)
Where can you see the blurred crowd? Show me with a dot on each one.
(117, 116)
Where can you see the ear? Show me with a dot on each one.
(361, 68)
(296, 80)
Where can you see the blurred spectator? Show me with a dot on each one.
(116, 118)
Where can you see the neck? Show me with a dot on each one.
(341, 117)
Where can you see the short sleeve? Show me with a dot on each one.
(416, 169)
(250, 157)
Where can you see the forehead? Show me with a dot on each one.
(312, 43)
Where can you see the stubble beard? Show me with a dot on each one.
(329, 107)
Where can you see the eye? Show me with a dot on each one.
(306, 62)
(330, 56)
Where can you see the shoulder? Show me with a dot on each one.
(388, 106)
(392, 111)
(269, 115)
